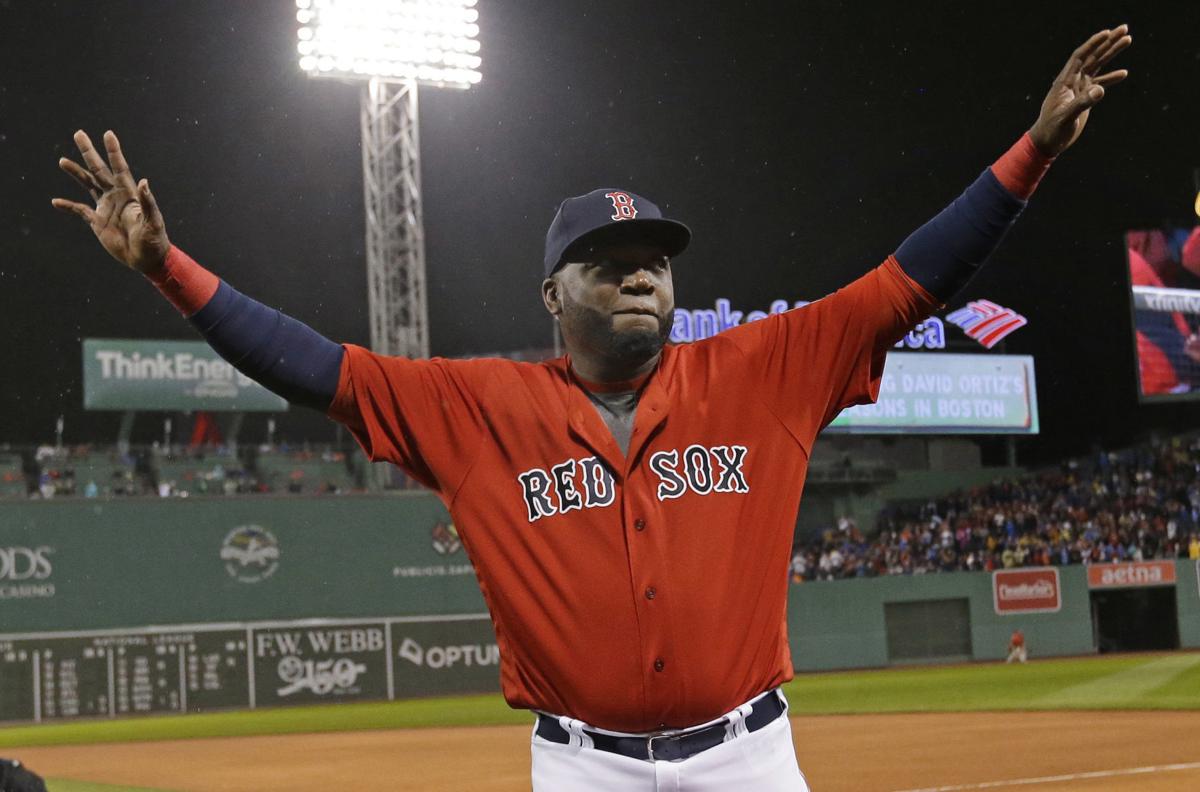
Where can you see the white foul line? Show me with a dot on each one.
(1069, 777)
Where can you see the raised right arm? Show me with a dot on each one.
(282, 354)
(423, 415)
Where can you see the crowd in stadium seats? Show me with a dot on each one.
(177, 471)
(85, 471)
(1138, 504)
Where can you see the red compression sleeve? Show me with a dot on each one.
(185, 283)
(1021, 168)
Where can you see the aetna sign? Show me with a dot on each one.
(1026, 590)
(1136, 573)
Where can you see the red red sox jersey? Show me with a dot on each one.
(644, 590)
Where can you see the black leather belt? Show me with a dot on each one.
(666, 747)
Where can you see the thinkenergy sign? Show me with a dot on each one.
(124, 374)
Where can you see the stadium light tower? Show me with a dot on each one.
(391, 47)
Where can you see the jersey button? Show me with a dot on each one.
(650, 592)
(639, 524)
(659, 665)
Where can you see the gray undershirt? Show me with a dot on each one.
(617, 409)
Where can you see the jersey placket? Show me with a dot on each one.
(643, 537)
(646, 541)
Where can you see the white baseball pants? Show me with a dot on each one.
(763, 761)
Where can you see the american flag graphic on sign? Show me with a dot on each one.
(986, 322)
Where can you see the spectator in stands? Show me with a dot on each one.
(53, 471)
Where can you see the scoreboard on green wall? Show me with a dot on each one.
(150, 605)
(196, 668)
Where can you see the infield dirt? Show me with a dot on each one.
(838, 753)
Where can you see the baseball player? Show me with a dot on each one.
(628, 507)
(1016, 648)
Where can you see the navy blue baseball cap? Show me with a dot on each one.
(610, 215)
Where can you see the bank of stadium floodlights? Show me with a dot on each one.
(391, 47)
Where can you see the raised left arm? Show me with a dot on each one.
(946, 252)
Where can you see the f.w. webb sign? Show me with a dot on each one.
(1033, 590)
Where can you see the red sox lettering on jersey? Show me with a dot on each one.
(697, 473)
(586, 484)
(623, 207)
(556, 492)
(645, 588)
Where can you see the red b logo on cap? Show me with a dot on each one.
(623, 205)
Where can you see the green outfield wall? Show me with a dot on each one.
(840, 624)
(143, 605)
(1188, 593)
(87, 564)
(843, 623)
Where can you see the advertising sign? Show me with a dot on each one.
(124, 374)
(949, 394)
(987, 322)
(981, 320)
(26, 571)
(1035, 590)
(329, 662)
(450, 656)
(1132, 574)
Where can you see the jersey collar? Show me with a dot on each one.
(585, 422)
(624, 386)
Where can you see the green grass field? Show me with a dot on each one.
(1161, 681)
(1165, 681)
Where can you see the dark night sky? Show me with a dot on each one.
(801, 141)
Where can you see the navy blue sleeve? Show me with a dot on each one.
(946, 252)
(271, 348)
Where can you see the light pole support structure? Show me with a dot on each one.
(397, 304)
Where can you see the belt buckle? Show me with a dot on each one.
(650, 744)
(675, 740)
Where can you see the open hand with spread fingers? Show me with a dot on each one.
(1077, 89)
(125, 217)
